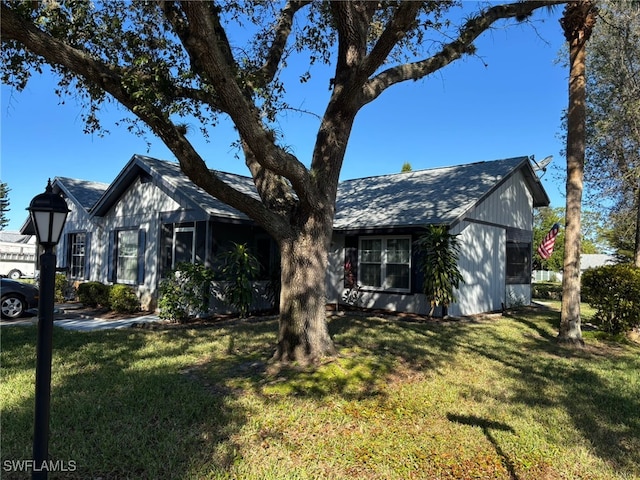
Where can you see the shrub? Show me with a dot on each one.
(239, 268)
(92, 294)
(123, 299)
(614, 291)
(185, 292)
(61, 288)
(546, 290)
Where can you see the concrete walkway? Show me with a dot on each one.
(83, 324)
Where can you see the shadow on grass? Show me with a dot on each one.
(371, 350)
(120, 408)
(487, 426)
(598, 387)
(162, 404)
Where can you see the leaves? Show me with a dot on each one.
(439, 264)
(238, 269)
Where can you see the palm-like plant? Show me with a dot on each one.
(439, 266)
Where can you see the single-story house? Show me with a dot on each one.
(151, 217)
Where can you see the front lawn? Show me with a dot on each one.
(494, 398)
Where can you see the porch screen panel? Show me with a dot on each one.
(183, 245)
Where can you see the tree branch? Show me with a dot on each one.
(109, 78)
(452, 50)
(203, 42)
(283, 30)
(402, 19)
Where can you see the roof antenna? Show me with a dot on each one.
(542, 165)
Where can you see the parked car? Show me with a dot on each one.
(16, 298)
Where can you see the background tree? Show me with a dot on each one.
(406, 167)
(4, 205)
(622, 234)
(543, 219)
(595, 238)
(168, 62)
(612, 170)
(577, 23)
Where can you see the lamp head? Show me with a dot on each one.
(48, 213)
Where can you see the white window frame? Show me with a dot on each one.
(77, 255)
(126, 257)
(383, 263)
(177, 230)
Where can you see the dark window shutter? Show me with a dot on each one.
(66, 248)
(142, 239)
(87, 255)
(417, 279)
(112, 257)
(350, 261)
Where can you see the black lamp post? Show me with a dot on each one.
(48, 214)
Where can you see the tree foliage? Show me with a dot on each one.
(239, 269)
(439, 250)
(406, 167)
(4, 205)
(595, 237)
(173, 64)
(613, 118)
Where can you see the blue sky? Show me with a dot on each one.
(507, 103)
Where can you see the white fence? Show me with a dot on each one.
(546, 276)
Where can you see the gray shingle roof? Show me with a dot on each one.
(171, 174)
(84, 192)
(438, 195)
(417, 198)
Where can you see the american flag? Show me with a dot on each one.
(546, 247)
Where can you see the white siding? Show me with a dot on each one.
(133, 210)
(482, 265)
(510, 205)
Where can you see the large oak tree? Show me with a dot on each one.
(167, 60)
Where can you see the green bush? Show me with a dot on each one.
(614, 291)
(546, 290)
(239, 268)
(93, 294)
(185, 292)
(61, 287)
(123, 299)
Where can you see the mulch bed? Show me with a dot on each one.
(78, 311)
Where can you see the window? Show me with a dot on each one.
(127, 248)
(385, 263)
(77, 255)
(518, 263)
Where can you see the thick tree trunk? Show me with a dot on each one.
(303, 334)
(577, 22)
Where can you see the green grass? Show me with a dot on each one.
(491, 399)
